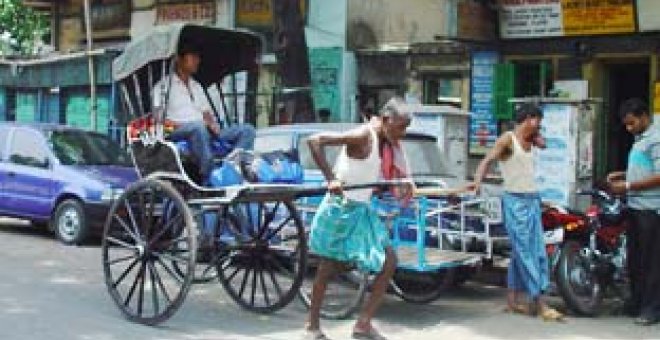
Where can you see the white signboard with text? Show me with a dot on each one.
(526, 19)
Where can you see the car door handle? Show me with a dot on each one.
(11, 174)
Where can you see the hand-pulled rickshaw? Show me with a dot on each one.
(151, 240)
(168, 230)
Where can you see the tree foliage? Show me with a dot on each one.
(21, 28)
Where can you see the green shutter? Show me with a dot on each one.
(503, 88)
(26, 107)
(3, 105)
(78, 112)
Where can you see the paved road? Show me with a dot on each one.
(50, 291)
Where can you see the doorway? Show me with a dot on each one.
(624, 81)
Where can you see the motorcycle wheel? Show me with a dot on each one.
(578, 285)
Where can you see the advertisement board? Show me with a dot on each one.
(648, 15)
(198, 12)
(555, 165)
(555, 18)
(483, 125)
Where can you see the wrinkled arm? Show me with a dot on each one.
(317, 143)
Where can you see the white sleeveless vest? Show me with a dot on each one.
(518, 169)
(357, 171)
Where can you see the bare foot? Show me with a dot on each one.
(369, 334)
(314, 334)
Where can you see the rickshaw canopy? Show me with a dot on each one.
(223, 51)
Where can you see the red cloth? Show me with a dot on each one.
(394, 165)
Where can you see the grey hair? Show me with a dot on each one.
(395, 108)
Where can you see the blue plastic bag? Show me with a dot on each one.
(278, 167)
(225, 175)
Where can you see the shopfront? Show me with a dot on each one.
(597, 42)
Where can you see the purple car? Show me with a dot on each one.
(59, 177)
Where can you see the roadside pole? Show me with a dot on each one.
(90, 59)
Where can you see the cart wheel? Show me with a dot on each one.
(264, 261)
(211, 249)
(140, 243)
(422, 287)
(343, 296)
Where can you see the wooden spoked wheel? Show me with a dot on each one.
(264, 260)
(141, 243)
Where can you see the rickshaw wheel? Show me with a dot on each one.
(206, 267)
(139, 246)
(265, 260)
(423, 287)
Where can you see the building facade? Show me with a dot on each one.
(609, 46)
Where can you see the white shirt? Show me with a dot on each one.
(186, 103)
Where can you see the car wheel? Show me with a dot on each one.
(68, 223)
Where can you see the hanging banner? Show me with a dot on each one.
(555, 18)
(483, 125)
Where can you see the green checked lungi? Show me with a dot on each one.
(349, 231)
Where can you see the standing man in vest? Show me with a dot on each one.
(345, 229)
(641, 182)
(528, 266)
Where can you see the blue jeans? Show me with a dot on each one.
(199, 139)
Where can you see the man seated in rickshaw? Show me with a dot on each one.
(190, 112)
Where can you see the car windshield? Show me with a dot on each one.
(75, 147)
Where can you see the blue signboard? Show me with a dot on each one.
(483, 125)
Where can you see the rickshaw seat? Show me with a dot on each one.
(145, 126)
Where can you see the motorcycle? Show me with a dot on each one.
(559, 226)
(592, 262)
